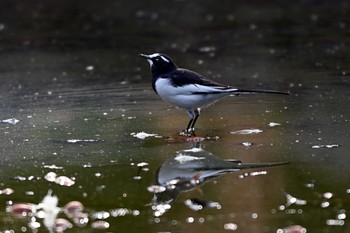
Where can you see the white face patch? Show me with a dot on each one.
(158, 55)
(154, 55)
(164, 59)
(150, 62)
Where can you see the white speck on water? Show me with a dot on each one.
(328, 195)
(80, 140)
(325, 146)
(156, 189)
(190, 220)
(335, 222)
(51, 176)
(142, 164)
(89, 68)
(293, 200)
(325, 204)
(246, 144)
(11, 121)
(52, 166)
(258, 173)
(230, 226)
(143, 135)
(30, 193)
(247, 131)
(273, 124)
(6, 191)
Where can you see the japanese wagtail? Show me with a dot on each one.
(187, 89)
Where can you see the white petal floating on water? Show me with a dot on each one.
(143, 135)
(89, 68)
(198, 204)
(64, 181)
(11, 121)
(22, 209)
(230, 226)
(328, 195)
(81, 140)
(51, 176)
(6, 191)
(247, 144)
(156, 189)
(142, 164)
(293, 200)
(61, 224)
(49, 209)
(273, 124)
(335, 222)
(247, 131)
(52, 167)
(73, 206)
(325, 146)
(100, 225)
(292, 229)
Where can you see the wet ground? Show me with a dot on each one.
(79, 116)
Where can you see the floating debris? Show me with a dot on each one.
(199, 204)
(81, 140)
(293, 200)
(273, 124)
(325, 146)
(73, 207)
(52, 167)
(49, 210)
(230, 226)
(11, 121)
(335, 222)
(328, 195)
(6, 191)
(22, 209)
(247, 144)
(62, 224)
(247, 131)
(156, 189)
(64, 181)
(100, 225)
(142, 135)
(123, 212)
(61, 180)
(292, 229)
(89, 68)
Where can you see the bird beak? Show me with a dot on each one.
(144, 56)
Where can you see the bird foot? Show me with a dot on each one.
(188, 132)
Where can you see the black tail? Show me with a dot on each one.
(240, 165)
(243, 91)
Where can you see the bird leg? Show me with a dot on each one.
(194, 114)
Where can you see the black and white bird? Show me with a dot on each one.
(187, 89)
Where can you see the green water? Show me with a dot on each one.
(71, 75)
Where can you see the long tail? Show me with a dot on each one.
(247, 91)
(239, 165)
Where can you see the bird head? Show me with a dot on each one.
(159, 63)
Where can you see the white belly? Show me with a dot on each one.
(183, 96)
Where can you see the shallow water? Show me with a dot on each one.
(79, 96)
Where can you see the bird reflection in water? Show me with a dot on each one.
(188, 169)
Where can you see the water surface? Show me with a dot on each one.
(72, 78)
